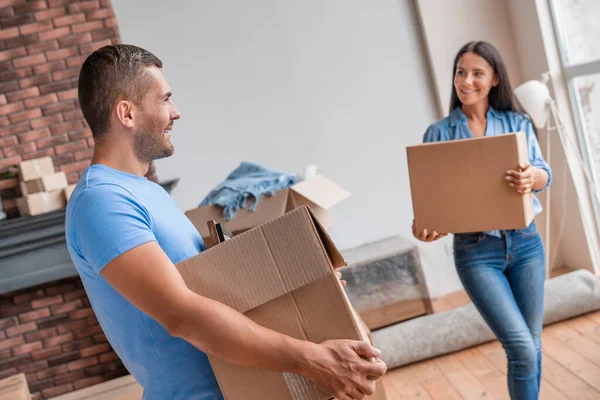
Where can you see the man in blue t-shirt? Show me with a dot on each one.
(125, 234)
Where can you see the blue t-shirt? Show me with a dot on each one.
(455, 127)
(109, 213)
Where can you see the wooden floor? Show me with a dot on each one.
(571, 365)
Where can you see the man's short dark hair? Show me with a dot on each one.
(109, 74)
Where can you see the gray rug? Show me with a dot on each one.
(567, 296)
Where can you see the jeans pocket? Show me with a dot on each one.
(531, 230)
(465, 241)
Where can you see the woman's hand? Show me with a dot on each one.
(523, 181)
(426, 236)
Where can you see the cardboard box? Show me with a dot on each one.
(318, 192)
(36, 168)
(459, 186)
(68, 191)
(47, 183)
(39, 203)
(14, 388)
(280, 275)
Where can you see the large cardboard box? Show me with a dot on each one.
(318, 192)
(281, 275)
(459, 186)
(39, 203)
(36, 168)
(47, 183)
(68, 191)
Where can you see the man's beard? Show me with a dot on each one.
(150, 143)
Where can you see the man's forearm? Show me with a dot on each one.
(216, 329)
(541, 179)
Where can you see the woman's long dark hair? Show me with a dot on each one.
(501, 97)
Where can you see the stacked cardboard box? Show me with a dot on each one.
(42, 189)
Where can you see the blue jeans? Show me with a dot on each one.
(504, 277)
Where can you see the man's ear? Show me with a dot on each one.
(124, 111)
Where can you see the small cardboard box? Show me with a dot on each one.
(318, 192)
(68, 191)
(459, 186)
(47, 183)
(14, 388)
(39, 203)
(281, 275)
(36, 168)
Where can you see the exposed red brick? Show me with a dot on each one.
(47, 301)
(69, 377)
(51, 141)
(34, 135)
(21, 328)
(8, 87)
(76, 61)
(17, 21)
(12, 53)
(21, 41)
(9, 33)
(36, 386)
(70, 147)
(110, 22)
(81, 313)
(3, 99)
(66, 127)
(82, 6)
(71, 19)
(99, 14)
(34, 315)
(29, 60)
(26, 348)
(49, 322)
(78, 344)
(8, 309)
(105, 33)
(55, 87)
(72, 115)
(89, 48)
(57, 390)
(35, 80)
(84, 154)
(64, 159)
(8, 343)
(55, 33)
(87, 26)
(4, 163)
(88, 382)
(97, 349)
(100, 338)
(35, 27)
(14, 362)
(39, 101)
(46, 353)
(38, 154)
(56, 340)
(15, 118)
(14, 75)
(11, 108)
(66, 307)
(19, 149)
(41, 334)
(58, 108)
(22, 94)
(5, 373)
(68, 95)
(30, 6)
(56, 3)
(8, 141)
(72, 326)
(51, 372)
(108, 357)
(75, 39)
(72, 178)
(48, 14)
(66, 74)
(60, 289)
(33, 367)
(6, 12)
(45, 68)
(84, 362)
(42, 47)
(92, 330)
(80, 134)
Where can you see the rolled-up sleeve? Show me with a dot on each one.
(536, 158)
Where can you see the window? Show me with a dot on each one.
(577, 24)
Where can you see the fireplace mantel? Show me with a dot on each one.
(33, 249)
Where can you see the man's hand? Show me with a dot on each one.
(524, 180)
(338, 273)
(425, 236)
(346, 369)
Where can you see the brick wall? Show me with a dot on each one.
(42, 46)
(51, 334)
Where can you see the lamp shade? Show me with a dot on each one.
(534, 97)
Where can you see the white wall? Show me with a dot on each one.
(342, 84)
